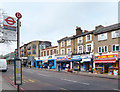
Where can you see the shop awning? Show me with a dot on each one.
(62, 61)
(86, 60)
(105, 61)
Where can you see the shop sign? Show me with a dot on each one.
(61, 58)
(50, 57)
(106, 57)
(75, 58)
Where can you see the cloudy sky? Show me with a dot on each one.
(51, 21)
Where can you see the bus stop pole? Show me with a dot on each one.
(18, 45)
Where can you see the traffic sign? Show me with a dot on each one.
(18, 71)
(18, 15)
(9, 23)
(10, 20)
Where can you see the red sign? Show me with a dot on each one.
(10, 21)
(106, 58)
(18, 15)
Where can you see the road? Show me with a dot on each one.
(35, 79)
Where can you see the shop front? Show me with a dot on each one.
(63, 62)
(51, 62)
(38, 63)
(106, 64)
(86, 63)
(76, 59)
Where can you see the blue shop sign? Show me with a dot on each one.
(76, 58)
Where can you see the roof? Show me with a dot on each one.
(65, 38)
(83, 34)
(107, 28)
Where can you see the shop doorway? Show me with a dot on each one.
(106, 67)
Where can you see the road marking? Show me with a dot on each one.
(31, 80)
(76, 81)
(117, 89)
(44, 75)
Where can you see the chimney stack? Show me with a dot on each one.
(78, 30)
(98, 27)
(85, 31)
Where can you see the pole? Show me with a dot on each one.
(18, 39)
(18, 44)
(18, 88)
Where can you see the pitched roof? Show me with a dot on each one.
(108, 28)
(65, 38)
(83, 34)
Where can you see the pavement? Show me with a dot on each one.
(5, 85)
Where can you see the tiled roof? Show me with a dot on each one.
(108, 28)
(65, 38)
(83, 34)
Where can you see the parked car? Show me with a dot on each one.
(3, 65)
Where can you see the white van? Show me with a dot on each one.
(3, 65)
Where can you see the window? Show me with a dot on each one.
(68, 50)
(52, 51)
(34, 46)
(34, 51)
(103, 49)
(62, 44)
(80, 49)
(89, 48)
(99, 49)
(62, 51)
(68, 42)
(102, 37)
(88, 37)
(116, 34)
(116, 47)
(80, 40)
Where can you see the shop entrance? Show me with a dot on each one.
(106, 67)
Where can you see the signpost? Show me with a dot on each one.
(18, 61)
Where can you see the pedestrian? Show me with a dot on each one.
(58, 67)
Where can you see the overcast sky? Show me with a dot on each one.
(51, 21)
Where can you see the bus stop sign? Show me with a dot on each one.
(18, 71)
